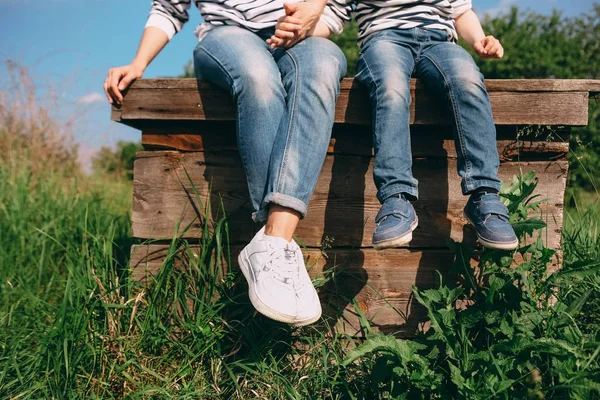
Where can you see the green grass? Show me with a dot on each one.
(581, 243)
(73, 325)
(59, 243)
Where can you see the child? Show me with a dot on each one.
(404, 38)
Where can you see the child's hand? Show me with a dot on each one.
(303, 16)
(489, 47)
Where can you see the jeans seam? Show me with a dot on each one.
(231, 80)
(280, 181)
(376, 88)
(459, 130)
(235, 94)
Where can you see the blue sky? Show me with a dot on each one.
(69, 46)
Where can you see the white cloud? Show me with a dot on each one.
(501, 8)
(93, 97)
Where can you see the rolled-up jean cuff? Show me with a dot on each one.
(390, 191)
(282, 200)
(473, 185)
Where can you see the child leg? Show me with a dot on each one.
(385, 66)
(449, 71)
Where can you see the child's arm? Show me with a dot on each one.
(469, 28)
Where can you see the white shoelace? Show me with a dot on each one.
(283, 265)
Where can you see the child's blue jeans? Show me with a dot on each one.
(387, 61)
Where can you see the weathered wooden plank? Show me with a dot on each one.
(170, 100)
(380, 281)
(342, 208)
(422, 145)
(543, 85)
(493, 85)
(216, 129)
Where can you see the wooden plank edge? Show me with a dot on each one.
(492, 85)
(116, 114)
(508, 150)
(350, 109)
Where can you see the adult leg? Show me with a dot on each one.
(310, 72)
(385, 66)
(240, 61)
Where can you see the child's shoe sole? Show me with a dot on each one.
(398, 241)
(492, 245)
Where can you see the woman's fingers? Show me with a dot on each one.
(289, 19)
(275, 42)
(110, 100)
(127, 80)
(288, 26)
(114, 78)
(118, 80)
(284, 34)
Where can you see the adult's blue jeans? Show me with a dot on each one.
(285, 101)
(387, 61)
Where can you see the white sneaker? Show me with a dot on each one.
(277, 280)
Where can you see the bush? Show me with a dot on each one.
(507, 331)
(117, 162)
(28, 129)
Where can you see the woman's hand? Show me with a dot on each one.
(300, 19)
(119, 79)
(286, 29)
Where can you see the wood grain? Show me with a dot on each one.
(343, 205)
(492, 85)
(422, 146)
(198, 119)
(520, 102)
(380, 282)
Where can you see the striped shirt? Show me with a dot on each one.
(376, 15)
(171, 15)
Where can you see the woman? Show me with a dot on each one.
(285, 102)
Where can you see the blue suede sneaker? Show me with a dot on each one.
(490, 218)
(396, 220)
